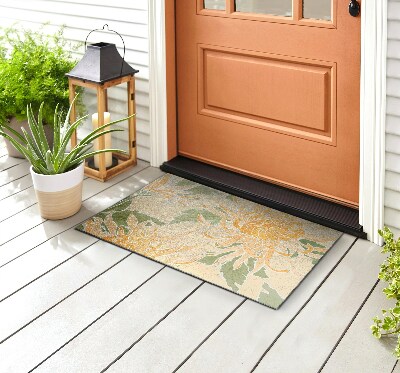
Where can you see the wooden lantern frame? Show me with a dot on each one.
(124, 161)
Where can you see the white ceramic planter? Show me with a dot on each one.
(59, 196)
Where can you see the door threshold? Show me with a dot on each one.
(317, 210)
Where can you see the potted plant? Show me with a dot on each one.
(389, 323)
(57, 174)
(32, 71)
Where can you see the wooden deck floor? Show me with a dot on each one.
(72, 303)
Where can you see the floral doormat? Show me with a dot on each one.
(252, 250)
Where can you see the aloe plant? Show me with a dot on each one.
(47, 161)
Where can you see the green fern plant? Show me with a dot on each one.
(389, 323)
(55, 160)
(33, 65)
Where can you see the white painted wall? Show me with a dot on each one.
(128, 17)
(392, 182)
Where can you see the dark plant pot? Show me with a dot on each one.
(16, 125)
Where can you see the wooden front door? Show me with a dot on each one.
(270, 88)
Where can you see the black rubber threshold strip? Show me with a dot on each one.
(339, 217)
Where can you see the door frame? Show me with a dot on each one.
(162, 95)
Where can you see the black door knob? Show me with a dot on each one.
(354, 8)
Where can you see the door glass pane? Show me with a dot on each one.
(317, 9)
(215, 4)
(274, 7)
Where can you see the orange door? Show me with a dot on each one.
(275, 97)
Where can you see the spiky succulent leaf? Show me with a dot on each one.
(34, 146)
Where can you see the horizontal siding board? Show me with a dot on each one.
(392, 177)
(134, 4)
(393, 125)
(125, 14)
(393, 86)
(392, 181)
(392, 217)
(394, 11)
(393, 105)
(130, 19)
(394, 30)
(75, 21)
(392, 199)
(392, 143)
(78, 34)
(393, 49)
(392, 162)
(393, 67)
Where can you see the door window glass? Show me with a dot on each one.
(215, 4)
(273, 7)
(317, 9)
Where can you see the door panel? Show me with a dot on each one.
(273, 97)
(284, 91)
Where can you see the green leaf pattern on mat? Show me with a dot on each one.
(239, 245)
(234, 276)
(261, 273)
(211, 259)
(270, 297)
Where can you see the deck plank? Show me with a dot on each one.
(55, 286)
(179, 334)
(111, 335)
(16, 203)
(28, 267)
(45, 257)
(56, 327)
(20, 201)
(30, 217)
(16, 186)
(238, 344)
(17, 224)
(308, 340)
(14, 173)
(3, 151)
(111, 194)
(7, 162)
(77, 314)
(371, 355)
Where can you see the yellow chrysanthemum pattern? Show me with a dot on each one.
(252, 250)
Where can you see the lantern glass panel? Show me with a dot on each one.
(86, 125)
(118, 109)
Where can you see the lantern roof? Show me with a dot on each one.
(101, 63)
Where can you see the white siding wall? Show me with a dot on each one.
(128, 17)
(392, 192)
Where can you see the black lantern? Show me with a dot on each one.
(101, 68)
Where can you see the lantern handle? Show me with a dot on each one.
(108, 29)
